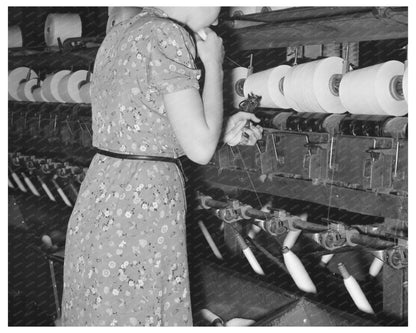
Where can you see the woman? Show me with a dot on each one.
(125, 256)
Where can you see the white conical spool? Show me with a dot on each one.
(291, 238)
(370, 90)
(231, 78)
(38, 94)
(268, 85)
(308, 86)
(69, 86)
(62, 26)
(326, 258)
(16, 77)
(239, 322)
(253, 261)
(355, 291)
(377, 263)
(211, 317)
(297, 271)
(30, 185)
(46, 189)
(25, 90)
(50, 87)
(15, 37)
(18, 182)
(209, 239)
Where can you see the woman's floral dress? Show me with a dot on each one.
(125, 255)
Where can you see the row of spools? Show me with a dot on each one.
(325, 86)
(69, 25)
(63, 86)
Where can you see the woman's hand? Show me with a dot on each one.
(210, 50)
(235, 128)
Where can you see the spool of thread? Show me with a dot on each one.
(38, 93)
(313, 86)
(69, 86)
(325, 259)
(406, 82)
(30, 185)
(50, 87)
(18, 182)
(375, 90)
(291, 238)
(269, 85)
(25, 90)
(297, 271)
(15, 37)
(239, 322)
(210, 241)
(62, 26)
(234, 83)
(377, 263)
(16, 77)
(212, 318)
(354, 290)
(85, 93)
(117, 15)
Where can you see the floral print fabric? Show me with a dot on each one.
(125, 255)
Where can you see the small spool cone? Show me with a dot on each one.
(291, 238)
(210, 241)
(239, 322)
(377, 263)
(325, 259)
(354, 290)
(297, 271)
(18, 182)
(212, 318)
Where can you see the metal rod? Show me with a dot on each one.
(368, 241)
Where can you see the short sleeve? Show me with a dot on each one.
(171, 64)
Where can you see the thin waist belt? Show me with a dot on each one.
(177, 161)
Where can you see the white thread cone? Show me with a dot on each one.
(291, 238)
(18, 182)
(326, 258)
(211, 317)
(297, 271)
(210, 241)
(30, 185)
(239, 322)
(253, 261)
(354, 290)
(377, 263)
(62, 194)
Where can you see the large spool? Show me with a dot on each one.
(16, 77)
(117, 15)
(15, 37)
(62, 26)
(269, 85)
(234, 81)
(50, 87)
(375, 90)
(69, 86)
(25, 90)
(38, 93)
(313, 86)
